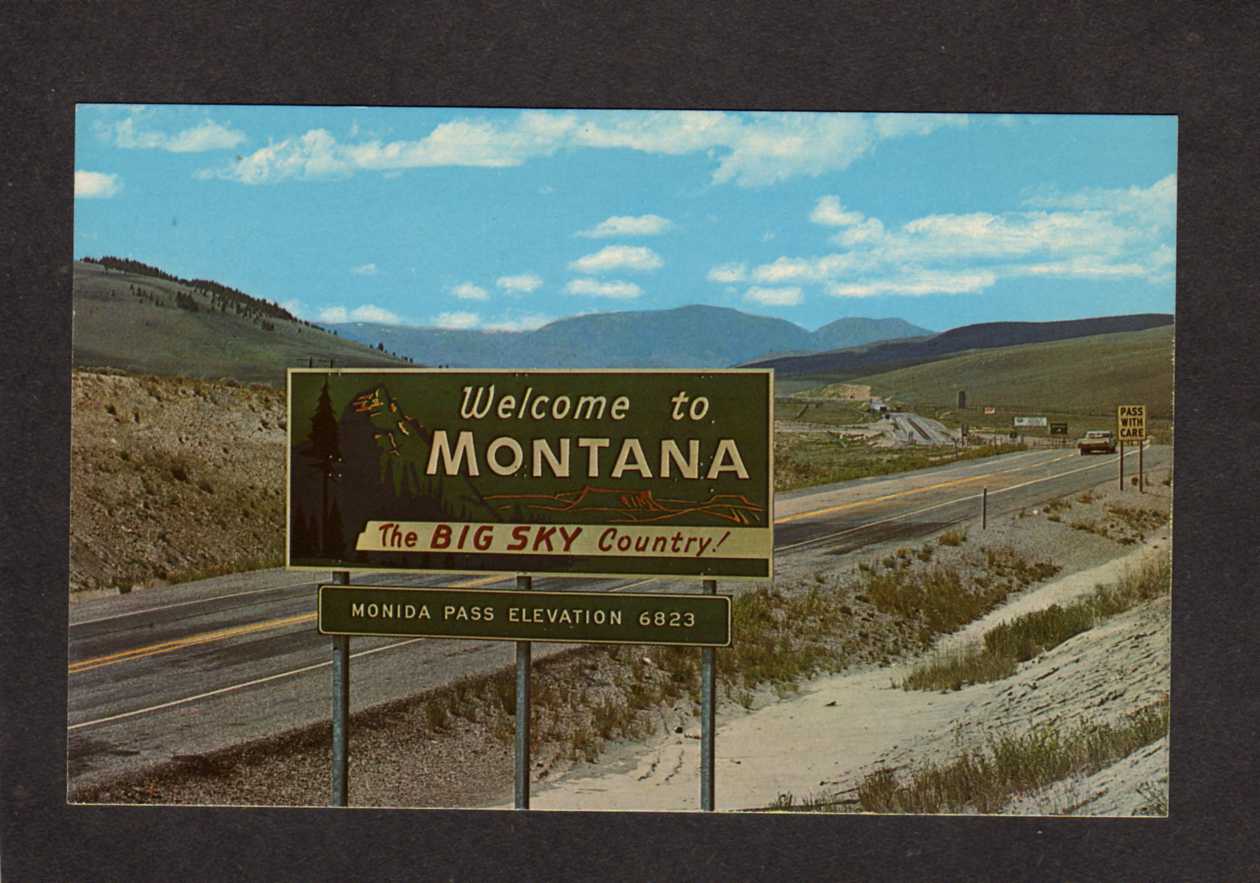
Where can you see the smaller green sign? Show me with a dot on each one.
(1058, 429)
(565, 617)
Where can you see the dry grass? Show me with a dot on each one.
(1028, 636)
(985, 780)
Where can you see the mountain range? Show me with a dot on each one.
(891, 354)
(685, 337)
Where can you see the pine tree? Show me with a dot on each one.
(326, 454)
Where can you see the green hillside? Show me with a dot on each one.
(144, 323)
(1083, 377)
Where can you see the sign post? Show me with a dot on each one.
(708, 715)
(1131, 427)
(341, 710)
(523, 664)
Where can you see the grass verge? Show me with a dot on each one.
(985, 780)
(1027, 636)
(1009, 765)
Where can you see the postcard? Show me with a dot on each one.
(622, 460)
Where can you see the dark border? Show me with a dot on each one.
(1194, 60)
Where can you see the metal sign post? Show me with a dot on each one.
(523, 664)
(1141, 469)
(984, 508)
(340, 710)
(708, 674)
(1131, 427)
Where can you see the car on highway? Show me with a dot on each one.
(1097, 441)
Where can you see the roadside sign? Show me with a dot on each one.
(1131, 423)
(990, 409)
(566, 617)
(595, 473)
(1025, 422)
(1058, 429)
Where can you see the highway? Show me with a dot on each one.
(174, 673)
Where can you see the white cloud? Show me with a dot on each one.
(917, 283)
(612, 289)
(618, 257)
(831, 213)
(898, 125)
(96, 185)
(209, 135)
(312, 155)
(867, 231)
(727, 273)
(364, 270)
(1093, 234)
(774, 297)
(776, 147)
(628, 225)
(372, 313)
(365, 313)
(527, 322)
(1086, 267)
(785, 269)
(1156, 205)
(294, 306)
(525, 283)
(457, 320)
(750, 149)
(468, 291)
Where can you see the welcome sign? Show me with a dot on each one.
(572, 472)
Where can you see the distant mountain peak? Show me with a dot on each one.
(689, 336)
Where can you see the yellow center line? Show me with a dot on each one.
(215, 635)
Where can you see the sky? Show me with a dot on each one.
(505, 219)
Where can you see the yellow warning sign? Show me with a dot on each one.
(1131, 423)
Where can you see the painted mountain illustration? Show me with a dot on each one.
(638, 507)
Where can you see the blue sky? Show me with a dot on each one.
(507, 219)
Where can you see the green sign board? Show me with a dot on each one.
(577, 617)
(1058, 429)
(597, 473)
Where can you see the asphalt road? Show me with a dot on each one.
(170, 673)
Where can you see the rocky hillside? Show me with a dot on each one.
(145, 447)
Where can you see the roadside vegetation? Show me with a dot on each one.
(985, 780)
(1025, 637)
(585, 698)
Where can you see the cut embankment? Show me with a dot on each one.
(1027, 636)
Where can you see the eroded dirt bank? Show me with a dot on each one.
(172, 479)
